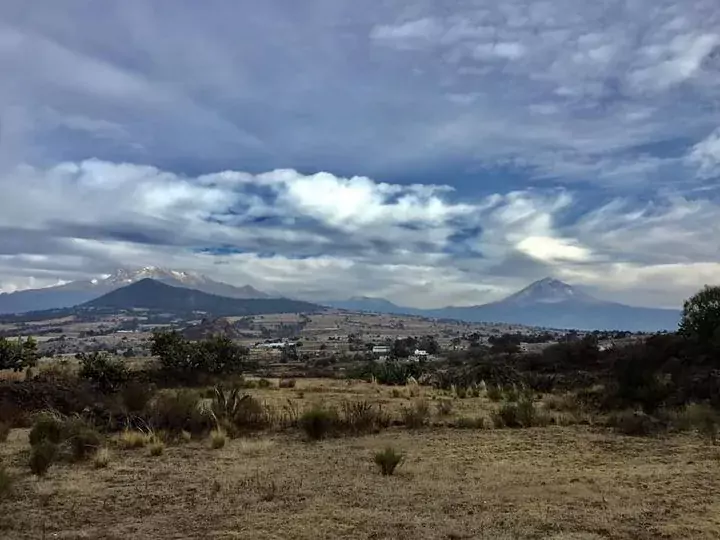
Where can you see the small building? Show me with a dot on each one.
(419, 353)
(381, 350)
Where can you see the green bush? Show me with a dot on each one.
(417, 415)
(264, 383)
(42, 456)
(318, 422)
(471, 423)
(106, 372)
(635, 423)
(47, 427)
(136, 395)
(83, 441)
(700, 417)
(388, 460)
(180, 411)
(521, 414)
(494, 392)
(250, 415)
(362, 417)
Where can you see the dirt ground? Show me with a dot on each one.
(557, 483)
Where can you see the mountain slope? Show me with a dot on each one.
(547, 302)
(78, 292)
(366, 303)
(155, 295)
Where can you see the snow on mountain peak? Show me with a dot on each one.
(547, 291)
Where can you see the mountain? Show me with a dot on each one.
(154, 295)
(366, 303)
(78, 292)
(549, 303)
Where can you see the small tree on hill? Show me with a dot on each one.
(19, 354)
(701, 316)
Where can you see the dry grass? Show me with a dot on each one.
(553, 482)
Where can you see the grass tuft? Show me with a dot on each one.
(388, 460)
(157, 447)
(101, 459)
(218, 438)
(42, 455)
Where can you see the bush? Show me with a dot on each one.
(264, 383)
(287, 383)
(471, 423)
(42, 455)
(157, 447)
(217, 439)
(83, 440)
(417, 415)
(107, 373)
(136, 396)
(388, 460)
(318, 423)
(178, 411)
(635, 423)
(494, 393)
(133, 439)
(520, 414)
(362, 417)
(250, 414)
(700, 417)
(4, 431)
(6, 484)
(48, 427)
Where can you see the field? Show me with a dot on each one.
(562, 482)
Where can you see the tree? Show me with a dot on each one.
(19, 354)
(701, 316)
(106, 372)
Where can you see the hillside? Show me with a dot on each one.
(78, 292)
(154, 295)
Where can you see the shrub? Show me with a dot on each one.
(388, 460)
(157, 447)
(101, 459)
(107, 373)
(417, 415)
(635, 423)
(42, 455)
(318, 423)
(48, 427)
(520, 414)
(494, 392)
(512, 393)
(287, 383)
(264, 383)
(136, 396)
(251, 414)
(362, 417)
(444, 407)
(178, 411)
(700, 417)
(130, 439)
(6, 484)
(471, 423)
(396, 393)
(217, 438)
(461, 392)
(82, 439)
(4, 431)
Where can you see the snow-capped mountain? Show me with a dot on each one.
(547, 302)
(548, 291)
(78, 292)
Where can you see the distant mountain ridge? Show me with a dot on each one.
(547, 302)
(155, 295)
(78, 292)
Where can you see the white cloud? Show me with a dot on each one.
(706, 155)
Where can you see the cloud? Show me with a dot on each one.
(433, 154)
(326, 236)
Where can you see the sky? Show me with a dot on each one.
(432, 153)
